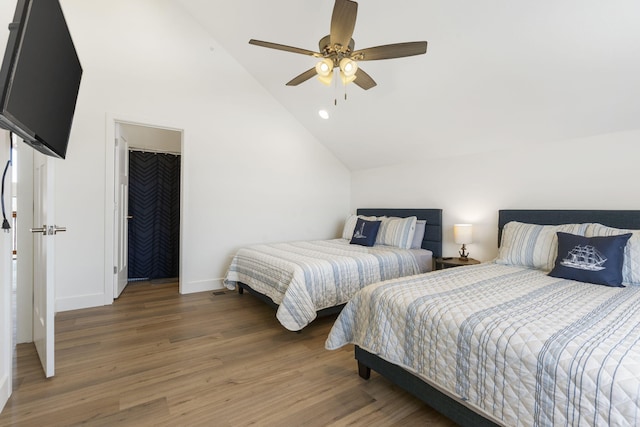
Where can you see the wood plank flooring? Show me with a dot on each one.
(158, 358)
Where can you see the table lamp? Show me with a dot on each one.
(462, 235)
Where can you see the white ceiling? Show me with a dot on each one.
(497, 73)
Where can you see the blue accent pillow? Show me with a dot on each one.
(365, 232)
(591, 259)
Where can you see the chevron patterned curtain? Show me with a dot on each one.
(154, 204)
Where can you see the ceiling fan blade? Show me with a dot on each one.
(343, 21)
(303, 77)
(364, 80)
(397, 50)
(284, 47)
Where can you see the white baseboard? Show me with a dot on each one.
(78, 302)
(202, 286)
(97, 300)
(5, 391)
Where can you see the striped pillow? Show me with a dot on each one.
(533, 245)
(631, 265)
(397, 232)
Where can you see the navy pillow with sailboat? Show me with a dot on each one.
(596, 260)
(365, 232)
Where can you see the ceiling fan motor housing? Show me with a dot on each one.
(336, 52)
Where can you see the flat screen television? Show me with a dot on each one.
(40, 77)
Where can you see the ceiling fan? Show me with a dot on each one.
(336, 50)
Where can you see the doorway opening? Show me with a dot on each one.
(148, 203)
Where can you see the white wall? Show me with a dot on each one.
(251, 172)
(599, 172)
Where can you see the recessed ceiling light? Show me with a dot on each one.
(324, 114)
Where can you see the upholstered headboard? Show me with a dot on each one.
(612, 218)
(433, 231)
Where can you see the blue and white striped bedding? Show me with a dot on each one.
(520, 347)
(307, 276)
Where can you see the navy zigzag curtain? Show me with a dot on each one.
(154, 203)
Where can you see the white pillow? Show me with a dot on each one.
(533, 245)
(350, 225)
(421, 225)
(397, 232)
(631, 265)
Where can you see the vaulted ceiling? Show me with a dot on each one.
(497, 73)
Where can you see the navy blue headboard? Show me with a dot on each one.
(433, 231)
(617, 219)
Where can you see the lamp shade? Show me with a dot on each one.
(462, 233)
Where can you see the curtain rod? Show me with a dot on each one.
(151, 150)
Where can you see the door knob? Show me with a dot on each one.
(50, 230)
(42, 230)
(54, 229)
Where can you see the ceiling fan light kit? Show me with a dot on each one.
(348, 67)
(324, 68)
(337, 50)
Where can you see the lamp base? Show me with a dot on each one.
(464, 255)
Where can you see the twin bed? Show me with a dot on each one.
(506, 343)
(306, 279)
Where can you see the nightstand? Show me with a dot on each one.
(442, 263)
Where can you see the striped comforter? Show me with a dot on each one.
(521, 347)
(304, 277)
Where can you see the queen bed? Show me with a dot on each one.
(514, 341)
(306, 279)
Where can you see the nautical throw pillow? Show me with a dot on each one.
(631, 265)
(590, 259)
(365, 232)
(350, 224)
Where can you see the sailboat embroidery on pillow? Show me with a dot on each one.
(584, 258)
(359, 234)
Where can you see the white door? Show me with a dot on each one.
(44, 230)
(121, 213)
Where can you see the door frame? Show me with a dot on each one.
(24, 261)
(6, 281)
(121, 211)
(112, 121)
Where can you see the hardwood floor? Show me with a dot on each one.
(155, 357)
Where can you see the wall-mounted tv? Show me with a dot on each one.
(40, 77)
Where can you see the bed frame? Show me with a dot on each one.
(432, 241)
(449, 406)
